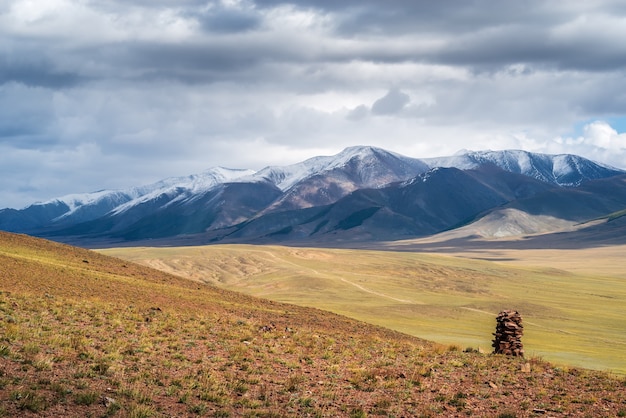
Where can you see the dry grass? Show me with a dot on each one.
(571, 317)
(87, 335)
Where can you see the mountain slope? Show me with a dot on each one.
(164, 216)
(241, 204)
(553, 210)
(366, 166)
(440, 199)
(323, 180)
(89, 335)
(76, 208)
(563, 170)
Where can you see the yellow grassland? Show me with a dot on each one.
(572, 301)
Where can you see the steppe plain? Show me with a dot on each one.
(444, 289)
(83, 334)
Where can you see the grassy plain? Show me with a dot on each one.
(572, 301)
(85, 335)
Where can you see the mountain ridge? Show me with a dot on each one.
(221, 203)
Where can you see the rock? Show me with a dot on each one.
(268, 328)
(107, 401)
(508, 335)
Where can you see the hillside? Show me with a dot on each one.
(450, 300)
(88, 335)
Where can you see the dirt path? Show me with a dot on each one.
(364, 289)
(317, 273)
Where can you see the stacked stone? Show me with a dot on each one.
(508, 334)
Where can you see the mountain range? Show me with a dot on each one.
(361, 194)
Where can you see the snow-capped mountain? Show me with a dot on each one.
(76, 208)
(361, 192)
(366, 166)
(562, 170)
(183, 188)
(324, 180)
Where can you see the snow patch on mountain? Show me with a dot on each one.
(286, 177)
(118, 201)
(367, 157)
(76, 200)
(422, 177)
(563, 170)
(563, 165)
(185, 187)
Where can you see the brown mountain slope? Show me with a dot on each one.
(83, 334)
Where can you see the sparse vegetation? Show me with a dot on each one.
(451, 300)
(116, 339)
(86, 398)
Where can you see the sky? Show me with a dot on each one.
(109, 94)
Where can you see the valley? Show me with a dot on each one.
(571, 300)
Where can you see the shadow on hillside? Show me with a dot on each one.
(596, 235)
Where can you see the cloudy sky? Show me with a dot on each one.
(99, 94)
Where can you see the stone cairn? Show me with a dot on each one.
(508, 334)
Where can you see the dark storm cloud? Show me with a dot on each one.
(479, 35)
(188, 60)
(498, 47)
(484, 34)
(36, 73)
(25, 117)
(223, 19)
(393, 17)
(393, 102)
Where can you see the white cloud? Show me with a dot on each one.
(600, 134)
(137, 90)
(599, 141)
